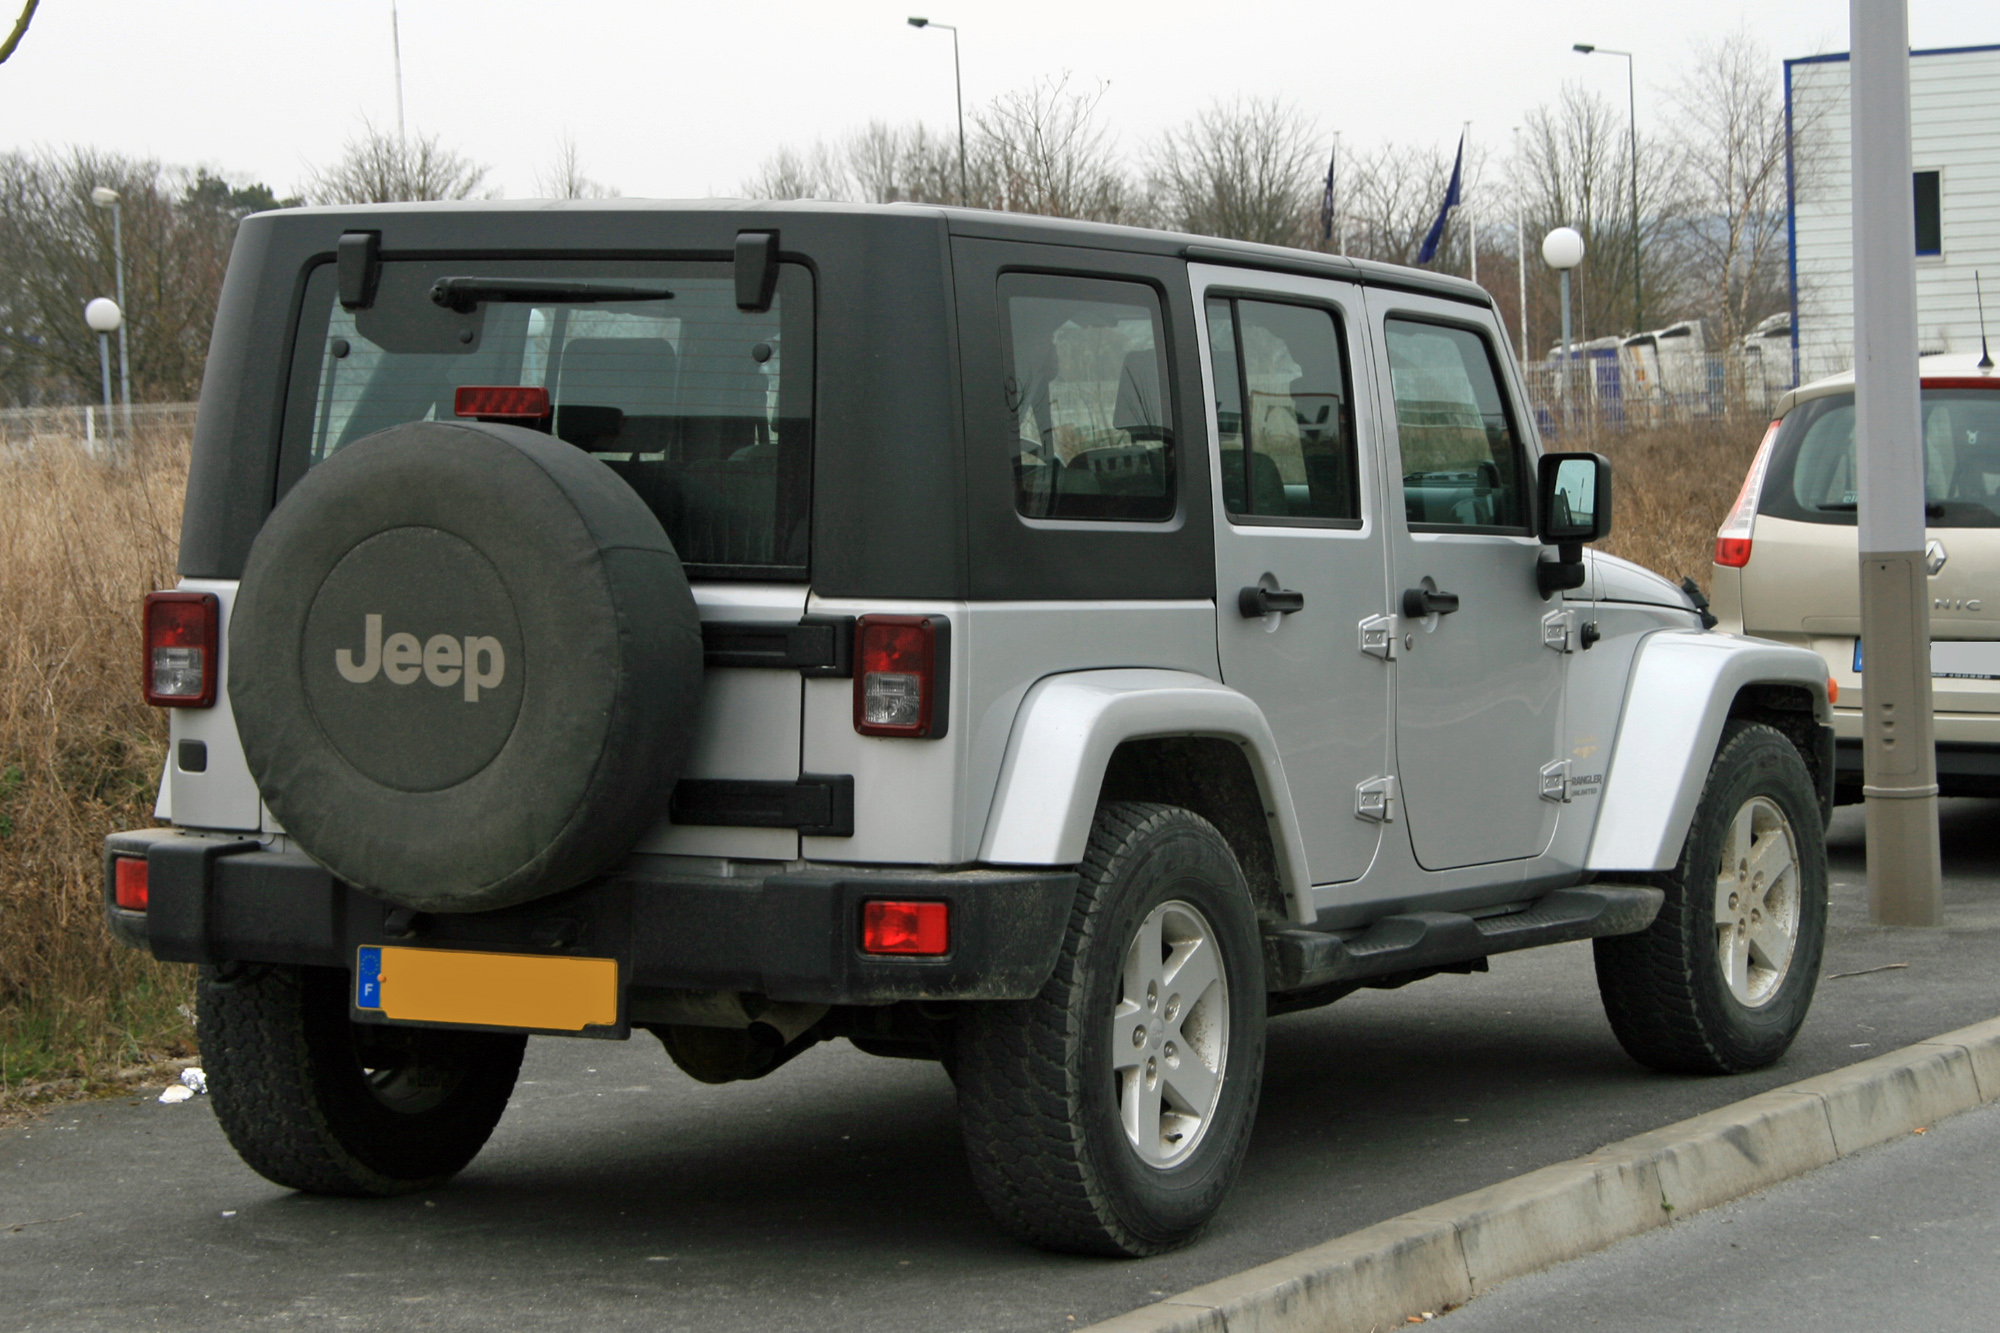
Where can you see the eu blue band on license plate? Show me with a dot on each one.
(368, 977)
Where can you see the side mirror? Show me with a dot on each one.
(1573, 506)
(1574, 499)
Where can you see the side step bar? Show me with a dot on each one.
(1297, 960)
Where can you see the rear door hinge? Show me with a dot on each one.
(1378, 637)
(1375, 800)
(1559, 631)
(1555, 781)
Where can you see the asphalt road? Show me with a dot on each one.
(833, 1196)
(1903, 1236)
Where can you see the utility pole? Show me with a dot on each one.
(1899, 762)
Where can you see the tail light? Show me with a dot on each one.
(899, 675)
(1732, 540)
(180, 649)
(906, 928)
(128, 882)
(501, 402)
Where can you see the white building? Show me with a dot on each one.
(1955, 153)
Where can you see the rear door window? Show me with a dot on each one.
(705, 409)
(1282, 410)
(1087, 387)
(1462, 455)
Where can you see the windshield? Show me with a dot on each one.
(1812, 470)
(705, 409)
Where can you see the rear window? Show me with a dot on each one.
(705, 409)
(1812, 463)
(1087, 388)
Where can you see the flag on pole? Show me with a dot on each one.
(1436, 234)
(1326, 198)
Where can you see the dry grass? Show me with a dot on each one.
(82, 541)
(1672, 487)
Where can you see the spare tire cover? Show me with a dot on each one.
(465, 664)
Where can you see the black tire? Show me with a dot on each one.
(465, 664)
(1665, 989)
(1038, 1098)
(316, 1103)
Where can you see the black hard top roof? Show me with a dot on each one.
(975, 222)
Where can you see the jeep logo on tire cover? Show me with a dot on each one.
(478, 660)
(412, 659)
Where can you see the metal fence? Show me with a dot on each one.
(93, 427)
(1610, 390)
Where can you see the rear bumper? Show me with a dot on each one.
(791, 936)
(1962, 768)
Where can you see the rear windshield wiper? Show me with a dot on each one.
(1931, 510)
(462, 294)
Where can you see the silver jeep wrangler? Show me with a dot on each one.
(1045, 648)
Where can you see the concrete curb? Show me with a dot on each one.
(1443, 1254)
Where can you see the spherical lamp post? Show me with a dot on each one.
(106, 197)
(1562, 250)
(104, 318)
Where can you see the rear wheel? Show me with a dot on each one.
(1110, 1114)
(1721, 981)
(314, 1102)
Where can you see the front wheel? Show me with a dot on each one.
(1721, 981)
(314, 1102)
(1111, 1113)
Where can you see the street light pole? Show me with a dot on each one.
(103, 317)
(1632, 120)
(1562, 250)
(1899, 760)
(106, 197)
(958, 88)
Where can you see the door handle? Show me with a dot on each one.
(1258, 602)
(1421, 602)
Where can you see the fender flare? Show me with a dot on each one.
(1064, 733)
(1677, 697)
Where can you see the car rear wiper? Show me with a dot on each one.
(1931, 510)
(462, 294)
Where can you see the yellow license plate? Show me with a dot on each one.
(505, 990)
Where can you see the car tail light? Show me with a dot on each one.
(907, 928)
(180, 649)
(128, 882)
(1732, 540)
(501, 402)
(899, 675)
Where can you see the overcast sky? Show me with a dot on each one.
(673, 99)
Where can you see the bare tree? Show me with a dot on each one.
(1044, 149)
(379, 168)
(56, 254)
(791, 173)
(1575, 171)
(912, 164)
(1733, 153)
(1388, 199)
(20, 30)
(566, 178)
(1245, 169)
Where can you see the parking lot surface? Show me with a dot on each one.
(617, 1193)
(1903, 1235)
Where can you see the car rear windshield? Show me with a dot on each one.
(650, 366)
(1812, 462)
